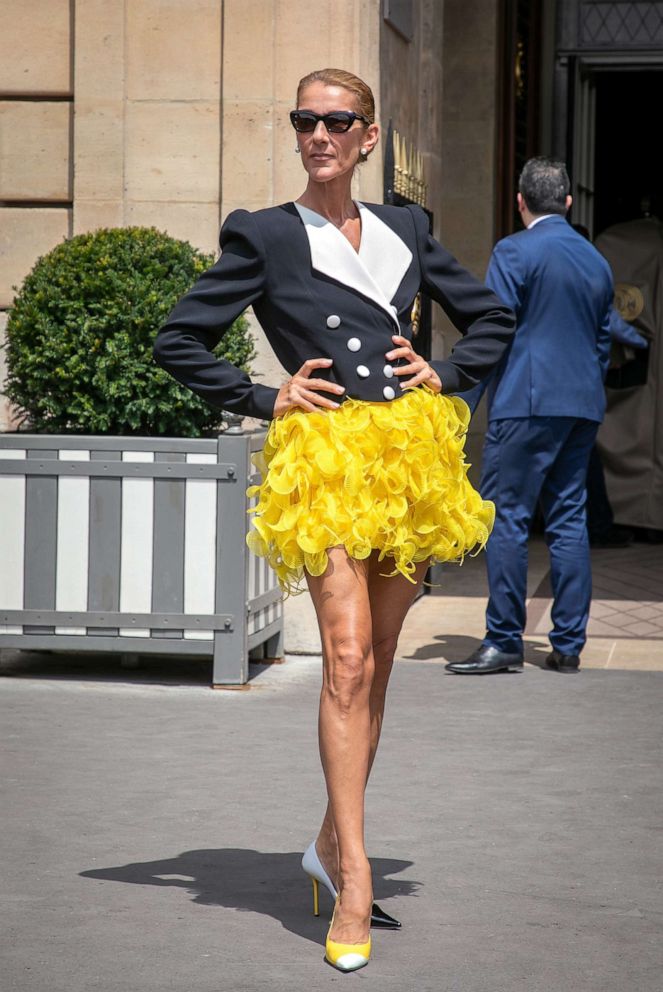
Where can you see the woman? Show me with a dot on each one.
(363, 478)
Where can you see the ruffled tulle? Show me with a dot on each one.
(385, 476)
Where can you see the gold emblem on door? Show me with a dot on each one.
(629, 301)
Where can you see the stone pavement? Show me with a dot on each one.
(626, 619)
(152, 828)
(627, 594)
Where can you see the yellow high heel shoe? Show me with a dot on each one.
(345, 957)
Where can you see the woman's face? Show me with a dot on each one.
(326, 156)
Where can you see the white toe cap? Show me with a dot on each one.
(350, 962)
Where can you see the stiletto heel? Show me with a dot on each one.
(346, 957)
(314, 869)
(316, 900)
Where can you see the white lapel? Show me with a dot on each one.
(384, 254)
(376, 271)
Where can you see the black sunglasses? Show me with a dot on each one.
(337, 122)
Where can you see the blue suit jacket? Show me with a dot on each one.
(561, 290)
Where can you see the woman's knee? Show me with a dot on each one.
(349, 670)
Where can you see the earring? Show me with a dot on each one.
(297, 150)
(363, 154)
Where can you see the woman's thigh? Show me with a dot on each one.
(342, 605)
(358, 601)
(390, 599)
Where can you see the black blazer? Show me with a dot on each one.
(315, 297)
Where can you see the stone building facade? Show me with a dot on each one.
(173, 112)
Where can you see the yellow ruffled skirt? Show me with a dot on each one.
(385, 476)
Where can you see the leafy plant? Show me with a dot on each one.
(81, 331)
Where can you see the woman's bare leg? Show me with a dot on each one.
(342, 604)
(390, 599)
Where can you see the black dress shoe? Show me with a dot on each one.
(381, 920)
(485, 661)
(566, 664)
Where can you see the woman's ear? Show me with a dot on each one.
(371, 138)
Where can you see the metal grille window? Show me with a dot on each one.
(617, 25)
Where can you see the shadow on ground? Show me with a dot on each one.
(114, 667)
(250, 881)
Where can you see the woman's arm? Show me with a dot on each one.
(487, 325)
(199, 320)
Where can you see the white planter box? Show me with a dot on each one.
(134, 545)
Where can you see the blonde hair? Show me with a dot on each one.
(339, 77)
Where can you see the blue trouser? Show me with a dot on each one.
(527, 460)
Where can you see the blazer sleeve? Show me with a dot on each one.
(506, 275)
(487, 325)
(185, 343)
(622, 332)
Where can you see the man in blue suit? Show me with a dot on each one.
(545, 402)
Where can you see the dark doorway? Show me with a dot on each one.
(629, 151)
(519, 58)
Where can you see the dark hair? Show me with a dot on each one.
(544, 185)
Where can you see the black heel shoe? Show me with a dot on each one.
(313, 866)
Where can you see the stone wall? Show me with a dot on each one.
(121, 128)
(147, 126)
(411, 84)
(469, 112)
(35, 134)
(468, 199)
(467, 202)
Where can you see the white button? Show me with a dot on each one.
(388, 371)
(363, 371)
(333, 321)
(388, 393)
(354, 344)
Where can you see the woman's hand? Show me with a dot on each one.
(416, 367)
(300, 391)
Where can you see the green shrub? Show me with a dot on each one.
(81, 331)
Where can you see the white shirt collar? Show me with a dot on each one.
(537, 219)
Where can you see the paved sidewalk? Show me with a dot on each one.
(152, 830)
(625, 629)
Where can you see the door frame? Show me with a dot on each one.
(575, 115)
